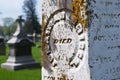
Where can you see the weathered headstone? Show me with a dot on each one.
(81, 40)
(104, 39)
(65, 46)
(20, 50)
(2, 43)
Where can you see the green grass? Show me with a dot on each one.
(25, 74)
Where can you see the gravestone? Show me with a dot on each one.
(30, 36)
(65, 46)
(20, 45)
(2, 44)
(81, 40)
(104, 39)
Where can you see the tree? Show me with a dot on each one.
(5, 30)
(13, 27)
(31, 23)
(8, 21)
(7, 26)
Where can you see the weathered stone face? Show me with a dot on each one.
(65, 43)
(104, 40)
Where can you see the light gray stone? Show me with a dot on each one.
(104, 40)
(66, 43)
(17, 63)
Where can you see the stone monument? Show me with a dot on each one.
(20, 50)
(2, 43)
(104, 39)
(81, 40)
(65, 42)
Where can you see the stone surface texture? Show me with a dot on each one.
(72, 51)
(65, 43)
(104, 39)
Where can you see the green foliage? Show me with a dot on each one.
(27, 74)
(8, 21)
(31, 23)
(5, 30)
(13, 27)
(9, 26)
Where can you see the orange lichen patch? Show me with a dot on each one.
(64, 77)
(79, 12)
(44, 55)
(43, 23)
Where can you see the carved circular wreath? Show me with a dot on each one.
(65, 41)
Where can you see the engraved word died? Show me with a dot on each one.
(65, 42)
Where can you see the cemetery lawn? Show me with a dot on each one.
(26, 74)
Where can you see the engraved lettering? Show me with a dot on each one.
(62, 41)
(69, 40)
(55, 41)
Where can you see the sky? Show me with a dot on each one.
(13, 8)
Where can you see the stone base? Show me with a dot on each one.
(20, 63)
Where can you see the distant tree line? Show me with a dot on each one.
(9, 26)
(32, 24)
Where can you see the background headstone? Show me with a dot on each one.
(75, 43)
(2, 43)
(20, 50)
